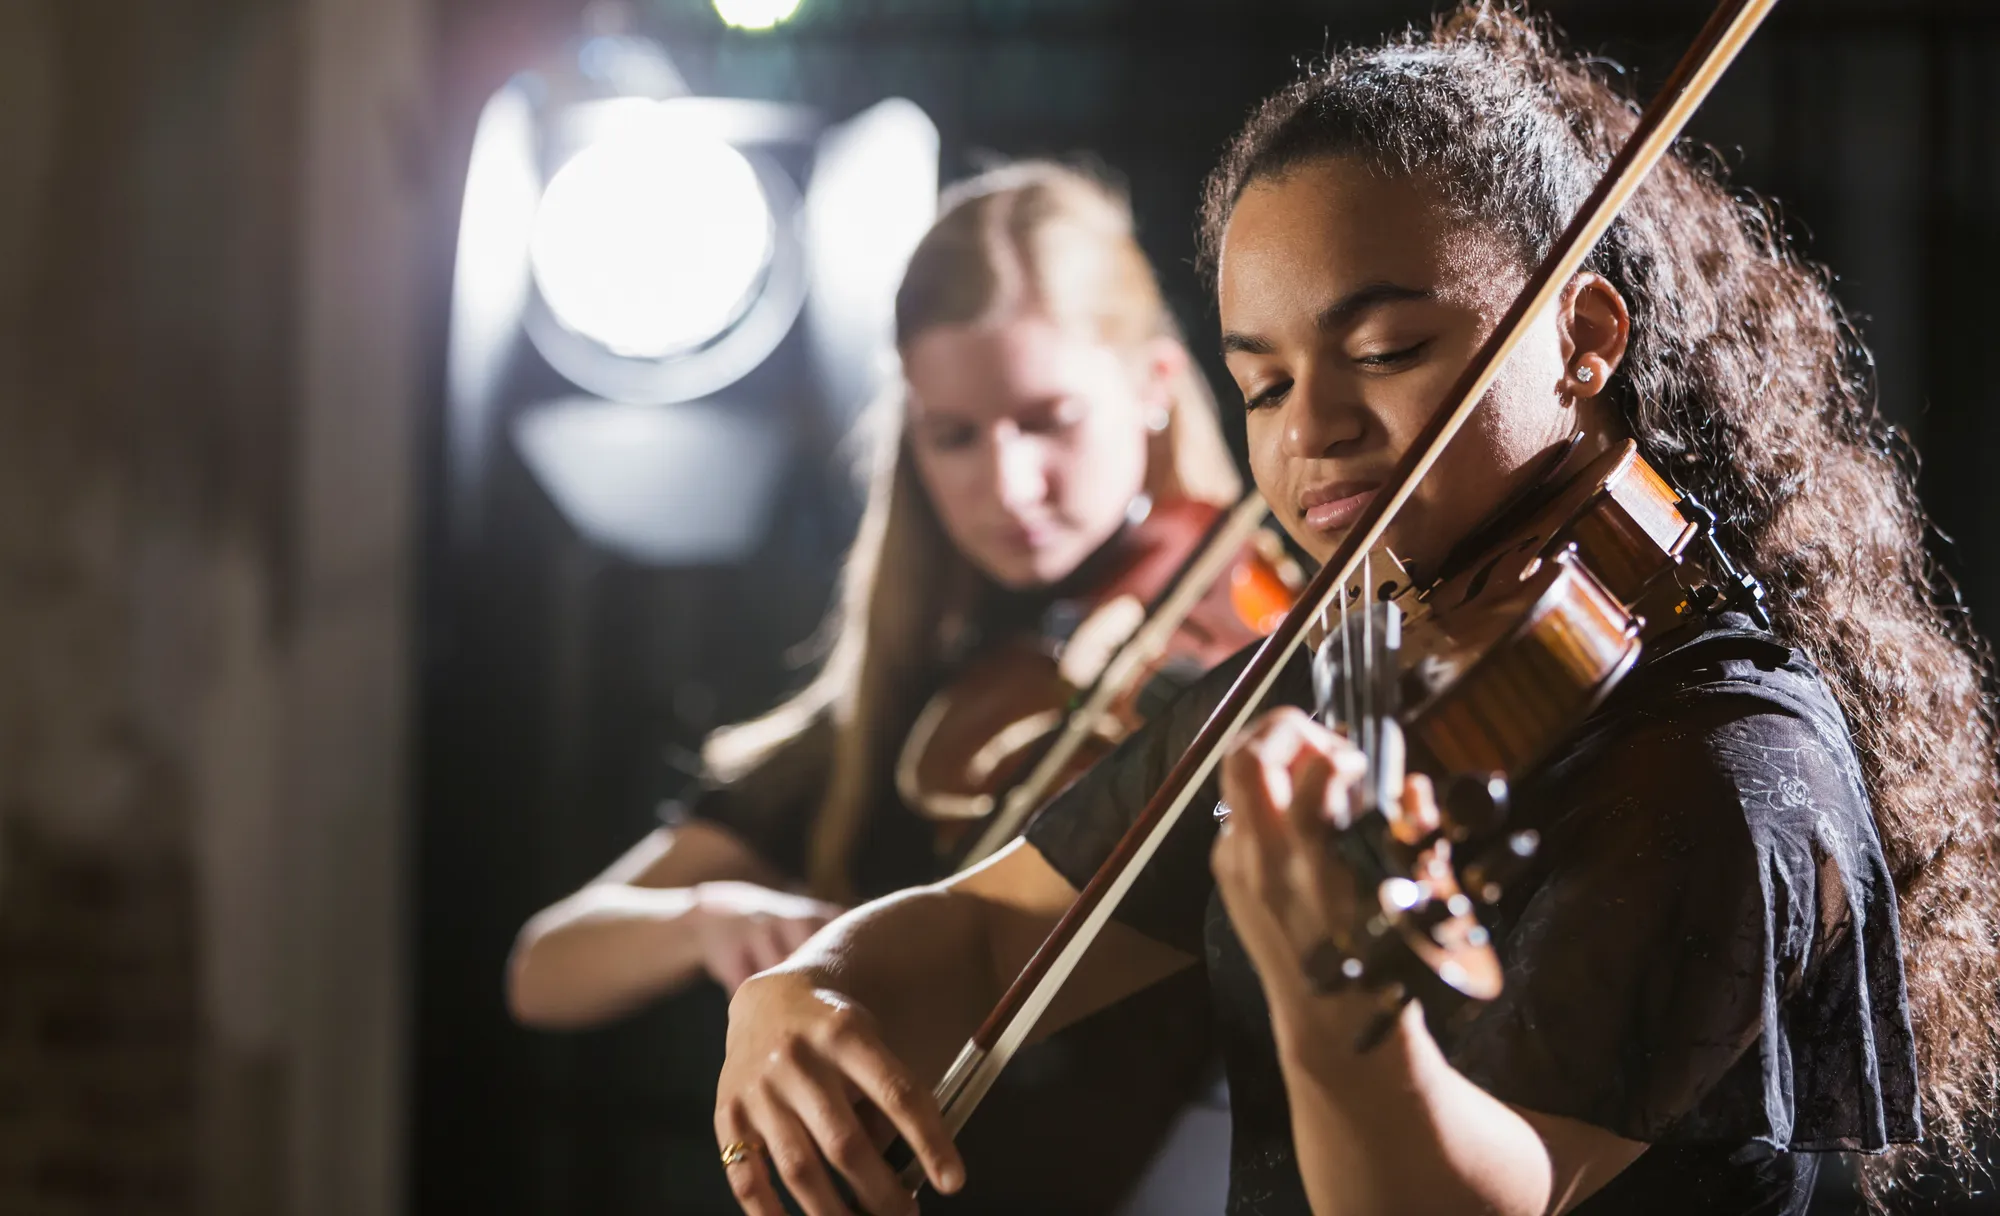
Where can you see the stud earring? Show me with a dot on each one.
(1158, 418)
(1584, 373)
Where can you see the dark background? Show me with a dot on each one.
(1873, 123)
(282, 772)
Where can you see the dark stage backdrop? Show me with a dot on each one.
(552, 678)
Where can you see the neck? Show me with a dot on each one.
(1596, 435)
(1602, 428)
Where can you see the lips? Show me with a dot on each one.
(1333, 507)
(1025, 536)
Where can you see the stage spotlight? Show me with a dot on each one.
(627, 243)
(667, 259)
(667, 312)
(652, 242)
(755, 14)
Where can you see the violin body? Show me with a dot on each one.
(1475, 680)
(1509, 655)
(1494, 667)
(977, 736)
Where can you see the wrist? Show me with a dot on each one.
(785, 984)
(1319, 1037)
(671, 925)
(1317, 1031)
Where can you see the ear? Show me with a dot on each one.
(1595, 327)
(1162, 362)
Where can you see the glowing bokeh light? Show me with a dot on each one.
(755, 14)
(652, 241)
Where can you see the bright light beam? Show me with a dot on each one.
(755, 14)
(873, 196)
(653, 241)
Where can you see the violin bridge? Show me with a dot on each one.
(1380, 578)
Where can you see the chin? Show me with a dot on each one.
(1058, 562)
(1322, 547)
(1017, 571)
(1013, 571)
(1318, 545)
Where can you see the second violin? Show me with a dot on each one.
(1183, 588)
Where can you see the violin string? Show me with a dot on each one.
(1321, 669)
(1007, 1027)
(1347, 707)
(1368, 738)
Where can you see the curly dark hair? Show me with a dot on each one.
(1745, 381)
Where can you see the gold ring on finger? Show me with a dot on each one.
(737, 1151)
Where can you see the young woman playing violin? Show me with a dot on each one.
(1049, 402)
(1761, 924)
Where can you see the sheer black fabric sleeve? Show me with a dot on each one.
(1708, 950)
(1078, 830)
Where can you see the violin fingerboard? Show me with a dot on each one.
(1357, 684)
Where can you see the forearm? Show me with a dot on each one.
(920, 961)
(1398, 1129)
(604, 951)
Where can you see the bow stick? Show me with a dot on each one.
(1007, 1027)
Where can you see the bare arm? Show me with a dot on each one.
(881, 1001)
(929, 963)
(1400, 1130)
(679, 902)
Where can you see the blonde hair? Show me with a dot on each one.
(1030, 235)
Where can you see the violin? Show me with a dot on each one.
(1475, 677)
(1474, 680)
(1182, 588)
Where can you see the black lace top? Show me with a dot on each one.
(1704, 956)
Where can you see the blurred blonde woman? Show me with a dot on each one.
(1047, 398)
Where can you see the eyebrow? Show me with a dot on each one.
(1337, 315)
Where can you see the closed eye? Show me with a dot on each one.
(1267, 397)
(948, 437)
(1050, 416)
(1393, 358)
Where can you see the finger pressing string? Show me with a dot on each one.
(1315, 791)
(1337, 780)
(1417, 811)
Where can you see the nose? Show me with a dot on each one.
(1321, 416)
(1021, 477)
